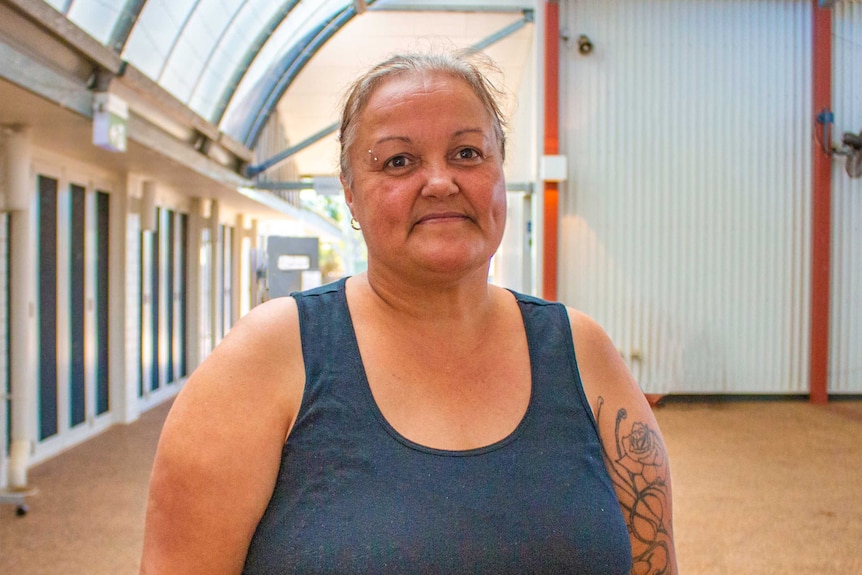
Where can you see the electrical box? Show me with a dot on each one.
(292, 264)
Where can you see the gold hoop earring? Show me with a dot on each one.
(355, 224)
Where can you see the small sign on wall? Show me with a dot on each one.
(293, 262)
(110, 114)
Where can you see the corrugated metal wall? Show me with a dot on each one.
(846, 334)
(685, 221)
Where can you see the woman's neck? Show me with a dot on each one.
(442, 302)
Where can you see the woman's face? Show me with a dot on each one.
(428, 186)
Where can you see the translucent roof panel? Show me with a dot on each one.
(60, 5)
(95, 17)
(201, 51)
(249, 29)
(222, 58)
(292, 41)
(202, 33)
(156, 33)
(231, 61)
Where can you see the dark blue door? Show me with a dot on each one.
(47, 307)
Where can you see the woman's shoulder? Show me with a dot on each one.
(266, 341)
(259, 359)
(221, 445)
(587, 330)
(603, 370)
(272, 317)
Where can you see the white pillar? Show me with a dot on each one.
(237, 258)
(215, 273)
(254, 263)
(18, 161)
(148, 206)
(22, 316)
(193, 290)
(123, 305)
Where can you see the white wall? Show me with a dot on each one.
(685, 221)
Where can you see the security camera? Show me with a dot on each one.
(584, 45)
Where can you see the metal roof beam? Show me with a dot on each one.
(503, 32)
(284, 186)
(449, 6)
(252, 171)
(124, 24)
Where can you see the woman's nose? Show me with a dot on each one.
(439, 181)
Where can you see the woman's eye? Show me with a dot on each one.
(398, 162)
(468, 154)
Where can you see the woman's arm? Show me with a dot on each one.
(220, 448)
(634, 450)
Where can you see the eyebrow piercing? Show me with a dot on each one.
(374, 158)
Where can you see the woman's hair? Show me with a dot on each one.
(465, 65)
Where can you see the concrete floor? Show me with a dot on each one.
(760, 487)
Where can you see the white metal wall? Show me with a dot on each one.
(845, 374)
(685, 220)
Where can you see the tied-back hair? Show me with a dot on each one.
(471, 66)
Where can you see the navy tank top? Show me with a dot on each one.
(355, 496)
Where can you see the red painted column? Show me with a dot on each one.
(821, 207)
(552, 147)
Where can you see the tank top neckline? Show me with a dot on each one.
(399, 437)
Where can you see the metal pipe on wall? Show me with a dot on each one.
(821, 207)
(552, 147)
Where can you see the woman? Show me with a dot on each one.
(414, 418)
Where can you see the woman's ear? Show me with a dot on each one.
(348, 193)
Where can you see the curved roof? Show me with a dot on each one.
(233, 61)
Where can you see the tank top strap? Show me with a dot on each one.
(329, 348)
(553, 356)
(325, 326)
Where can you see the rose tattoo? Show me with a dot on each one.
(642, 455)
(639, 470)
